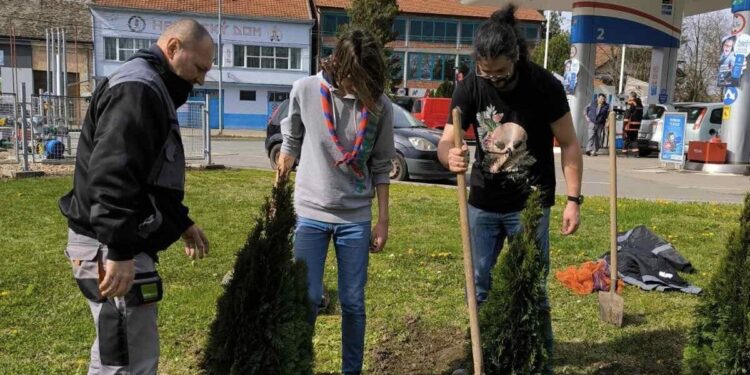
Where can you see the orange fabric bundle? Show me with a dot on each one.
(588, 278)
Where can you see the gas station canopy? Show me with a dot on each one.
(692, 7)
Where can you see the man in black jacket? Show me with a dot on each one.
(126, 202)
(596, 118)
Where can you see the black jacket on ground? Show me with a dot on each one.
(650, 263)
(129, 178)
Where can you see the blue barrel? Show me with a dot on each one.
(54, 149)
(619, 143)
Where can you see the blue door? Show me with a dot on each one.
(213, 112)
(213, 104)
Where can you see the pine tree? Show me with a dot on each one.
(377, 16)
(555, 24)
(512, 320)
(261, 320)
(445, 90)
(719, 341)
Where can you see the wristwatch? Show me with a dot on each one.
(578, 200)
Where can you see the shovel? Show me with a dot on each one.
(476, 345)
(610, 303)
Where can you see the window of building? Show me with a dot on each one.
(277, 96)
(331, 22)
(397, 66)
(239, 55)
(530, 32)
(247, 95)
(431, 67)
(466, 62)
(468, 30)
(326, 51)
(262, 57)
(433, 31)
(399, 28)
(121, 49)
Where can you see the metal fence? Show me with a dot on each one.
(195, 130)
(9, 118)
(53, 128)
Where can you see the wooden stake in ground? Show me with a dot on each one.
(610, 303)
(476, 344)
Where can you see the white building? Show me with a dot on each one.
(265, 49)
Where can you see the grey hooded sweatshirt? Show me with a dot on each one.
(324, 191)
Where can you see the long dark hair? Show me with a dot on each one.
(359, 57)
(499, 36)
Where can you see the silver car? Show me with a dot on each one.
(650, 131)
(701, 118)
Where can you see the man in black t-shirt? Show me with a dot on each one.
(516, 108)
(514, 135)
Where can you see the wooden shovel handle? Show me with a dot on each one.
(476, 344)
(612, 202)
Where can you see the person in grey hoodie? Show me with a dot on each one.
(346, 123)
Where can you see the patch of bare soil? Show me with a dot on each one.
(7, 166)
(419, 351)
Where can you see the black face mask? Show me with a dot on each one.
(179, 89)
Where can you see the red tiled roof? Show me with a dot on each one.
(291, 9)
(442, 8)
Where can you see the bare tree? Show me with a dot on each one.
(637, 63)
(699, 56)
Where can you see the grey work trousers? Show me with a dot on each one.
(127, 340)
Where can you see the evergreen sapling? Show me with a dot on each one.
(261, 322)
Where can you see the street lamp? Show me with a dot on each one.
(221, 75)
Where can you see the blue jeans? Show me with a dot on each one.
(352, 243)
(488, 232)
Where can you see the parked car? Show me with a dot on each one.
(416, 149)
(407, 102)
(273, 132)
(416, 145)
(434, 113)
(701, 118)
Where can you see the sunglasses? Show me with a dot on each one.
(495, 77)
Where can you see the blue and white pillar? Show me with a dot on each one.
(661, 81)
(650, 23)
(735, 130)
(584, 54)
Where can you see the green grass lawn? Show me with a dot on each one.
(416, 315)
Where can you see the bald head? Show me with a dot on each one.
(189, 49)
(187, 30)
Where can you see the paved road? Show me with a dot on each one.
(644, 178)
(240, 153)
(637, 177)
